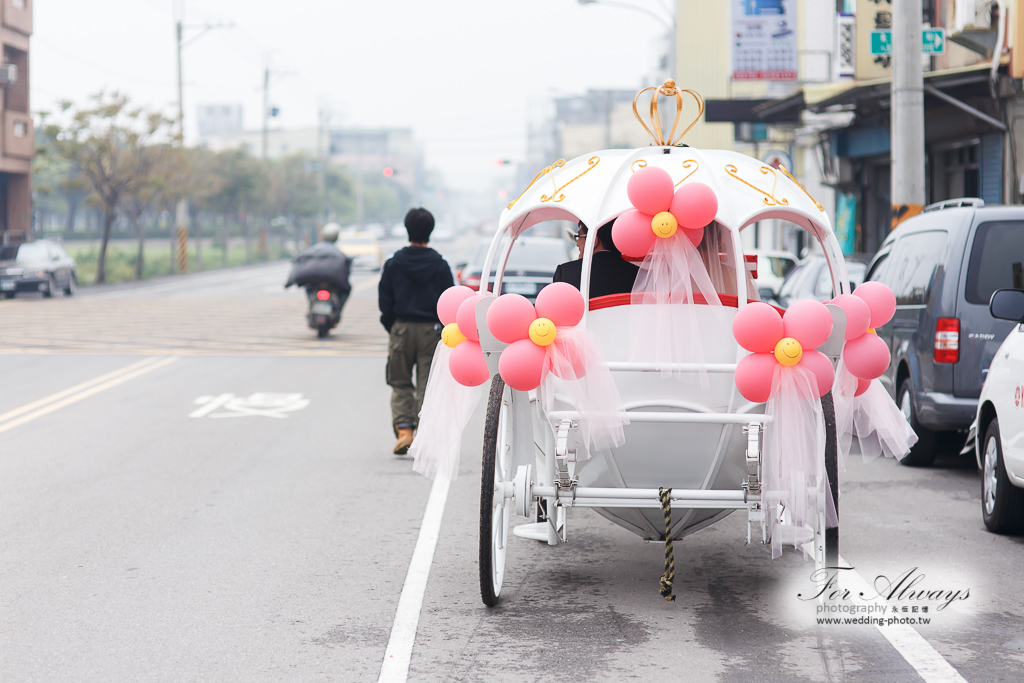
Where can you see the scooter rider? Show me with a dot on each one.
(323, 266)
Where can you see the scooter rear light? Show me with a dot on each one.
(947, 340)
(323, 295)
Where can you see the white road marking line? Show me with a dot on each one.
(211, 405)
(10, 415)
(75, 398)
(395, 668)
(929, 664)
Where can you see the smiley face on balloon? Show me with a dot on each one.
(661, 212)
(456, 309)
(537, 335)
(786, 341)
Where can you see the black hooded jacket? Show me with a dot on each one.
(410, 284)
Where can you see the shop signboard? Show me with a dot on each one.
(764, 36)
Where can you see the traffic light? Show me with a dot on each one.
(502, 162)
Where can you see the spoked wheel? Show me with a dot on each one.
(495, 508)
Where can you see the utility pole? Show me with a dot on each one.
(266, 105)
(907, 132)
(179, 239)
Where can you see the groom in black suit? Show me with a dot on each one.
(609, 272)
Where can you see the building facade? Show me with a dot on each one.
(17, 136)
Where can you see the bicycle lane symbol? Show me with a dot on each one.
(259, 404)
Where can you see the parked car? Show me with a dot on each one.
(812, 279)
(531, 265)
(944, 265)
(40, 266)
(364, 249)
(1000, 422)
(772, 269)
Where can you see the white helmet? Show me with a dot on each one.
(330, 232)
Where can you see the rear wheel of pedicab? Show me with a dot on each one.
(831, 554)
(495, 508)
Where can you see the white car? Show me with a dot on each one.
(999, 427)
(772, 269)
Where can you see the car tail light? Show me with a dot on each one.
(473, 282)
(751, 262)
(947, 340)
(323, 295)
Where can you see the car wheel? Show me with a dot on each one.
(922, 453)
(51, 285)
(72, 285)
(1002, 503)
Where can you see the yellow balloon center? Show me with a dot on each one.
(542, 332)
(664, 224)
(872, 330)
(452, 336)
(788, 351)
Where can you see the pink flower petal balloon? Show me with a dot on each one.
(633, 235)
(650, 190)
(468, 365)
(754, 376)
(879, 299)
(561, 303)
(465, 316)
(809, 322)
(449, 302)
(757, 327)
(862, 386)
(819, 364)
(522, 364)
(694, 205)
(510, 316)
(695, 236)
(866, 357)
(858, 315)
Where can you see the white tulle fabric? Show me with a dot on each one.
(794, 483)
(664, 328)
(447, 407)
(580, 377)
(872, 417)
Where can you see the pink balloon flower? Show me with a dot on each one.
(541, 338)
(661, 211)
(865, 355)
(786, 341)
(456, 309)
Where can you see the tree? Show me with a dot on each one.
(108, 143)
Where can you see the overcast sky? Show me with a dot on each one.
(464, 74)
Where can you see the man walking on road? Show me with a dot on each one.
(410, 284)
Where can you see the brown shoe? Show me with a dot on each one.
(404, 441)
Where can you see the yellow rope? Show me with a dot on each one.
(665, 495)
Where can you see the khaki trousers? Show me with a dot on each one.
(411, 344)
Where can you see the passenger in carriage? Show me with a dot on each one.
(720, 269)
(609, 272)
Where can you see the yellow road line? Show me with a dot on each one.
(61, 399)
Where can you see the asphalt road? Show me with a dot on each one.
(193, 487)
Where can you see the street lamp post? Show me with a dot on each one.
(670, 26)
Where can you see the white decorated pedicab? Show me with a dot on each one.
(688, 448)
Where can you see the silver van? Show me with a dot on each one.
(943, 265)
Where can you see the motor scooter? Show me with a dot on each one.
(325, 304)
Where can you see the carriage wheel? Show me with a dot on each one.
(832, 471)
(495, 508)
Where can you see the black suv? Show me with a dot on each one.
(943, 265)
